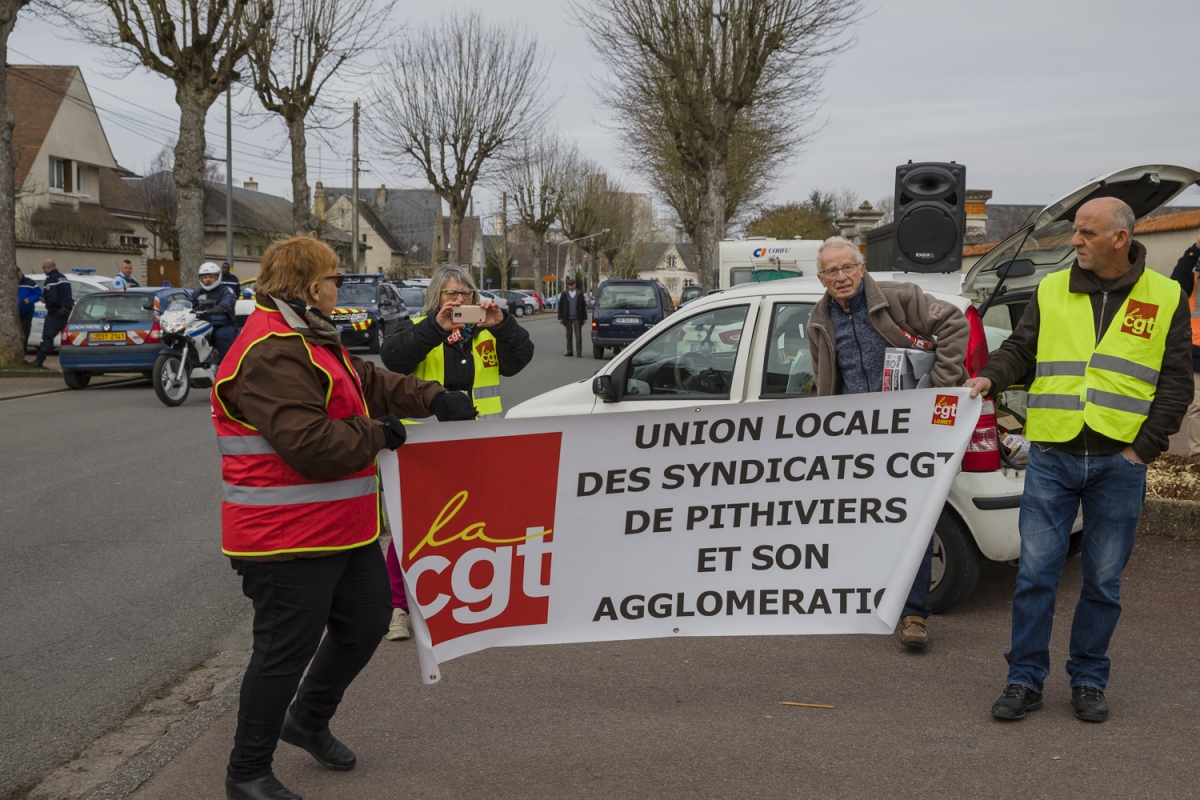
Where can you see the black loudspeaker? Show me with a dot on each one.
(930, 219)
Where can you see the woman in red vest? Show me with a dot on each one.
(299, 422)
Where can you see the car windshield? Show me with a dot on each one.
(691, 293)
(413, 297)
(112, 307)
(356, 294)
(628, 296)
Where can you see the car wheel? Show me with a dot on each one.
(171, 380)
(375, 342)
(955, 563)
(519, 311)
(531, 309)
(597, 352)
(76, 379)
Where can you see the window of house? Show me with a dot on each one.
(135, 241)
(56, 174)
(671, 262)
(245, 249)
(81, 181)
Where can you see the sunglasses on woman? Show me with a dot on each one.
(337, 277)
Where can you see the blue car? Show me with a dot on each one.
(114, 331)
(624, 310)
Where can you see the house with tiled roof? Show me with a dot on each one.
(63, 166)
(673, 264)
(411, 217)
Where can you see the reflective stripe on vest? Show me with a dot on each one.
(1195, 313)
(485, 389)
(267, 507)
(1110, 385)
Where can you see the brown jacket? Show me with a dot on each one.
(278, 390)
(893, 307)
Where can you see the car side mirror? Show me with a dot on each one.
(1022, 268)
(602, 387)
(148, 305)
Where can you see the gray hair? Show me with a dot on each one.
(1121, 217)
(834, 242)
(442, 276)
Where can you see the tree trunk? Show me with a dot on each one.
(539, 247)
(189, 184)
(457, 212)
(10, 322)
(301, 200)
(711, 226)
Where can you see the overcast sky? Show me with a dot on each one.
(1034, 97)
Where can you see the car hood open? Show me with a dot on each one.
(1045, 241)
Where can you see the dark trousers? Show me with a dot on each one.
(54, 323)
(345, 596)
(917, 604)
(575, 326)
(223, 336)
(26, 327)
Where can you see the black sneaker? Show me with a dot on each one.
(1015, 701)
(1089, 703)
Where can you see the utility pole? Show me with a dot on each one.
(229, 177)
(504, 234)
(354, 201)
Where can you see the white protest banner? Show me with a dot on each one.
(783, 517)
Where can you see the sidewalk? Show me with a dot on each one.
(27, 383)
(688, 718)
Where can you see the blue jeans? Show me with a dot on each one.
(1111, 490)
(917, 604)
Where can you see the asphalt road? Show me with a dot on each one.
(114, 583)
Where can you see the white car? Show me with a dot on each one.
(82, 284)
(495, 298)
(747, 345)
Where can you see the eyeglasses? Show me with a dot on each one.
(845, 269)
(337, 278)
(461, 295)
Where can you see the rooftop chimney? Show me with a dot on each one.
(381, 196)
(976, 208)
(319, 200)
(250, 184)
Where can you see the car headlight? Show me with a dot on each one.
(360, 316)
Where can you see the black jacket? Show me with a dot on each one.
(404, 351)
(1014, 359)
(221, 295)
(56, 293)
(1185, 273)
(580, 303)
(232, 280)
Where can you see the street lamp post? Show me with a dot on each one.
(558, 253)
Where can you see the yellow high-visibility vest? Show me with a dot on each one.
(1107, 385)
(485, 392)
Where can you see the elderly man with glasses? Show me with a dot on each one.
(848, 332)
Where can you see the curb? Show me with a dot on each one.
(31, 373)
(155, 757)
(64, 388)
(1174, 519)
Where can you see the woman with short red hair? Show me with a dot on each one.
(299, 422)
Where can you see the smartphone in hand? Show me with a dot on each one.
(468, 315)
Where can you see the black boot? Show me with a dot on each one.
(264, 788)
(1089, 703)
(321, 745)
(1015, 701)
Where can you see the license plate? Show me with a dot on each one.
(341, 328)
(114, 336)
(627, 320)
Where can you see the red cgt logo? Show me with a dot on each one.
(487, 353)
(945, 409)
(1139, 319)
(477, 553)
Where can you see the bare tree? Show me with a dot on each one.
(197, 44)
(583, 213)
(10, 320)
(538, 178)
(452, 98)
(294, 57)
(702, 64)
(157, 193)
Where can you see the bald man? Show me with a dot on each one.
(1110, 345)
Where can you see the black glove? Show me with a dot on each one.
(394, 434)
(452, 406)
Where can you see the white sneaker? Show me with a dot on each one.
(399, 628)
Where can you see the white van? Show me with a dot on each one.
(758, 260)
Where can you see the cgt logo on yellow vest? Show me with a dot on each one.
(477, 553)
(1139, 319)
(487, 352)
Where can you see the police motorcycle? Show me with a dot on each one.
(189, 357)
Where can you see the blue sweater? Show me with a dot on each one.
(859, 346)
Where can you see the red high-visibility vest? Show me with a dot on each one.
(267, 507)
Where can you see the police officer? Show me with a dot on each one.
(125, 279)
(56, 294)
(28, 293)
(1110, 344)
(221, 295)
(229, 278)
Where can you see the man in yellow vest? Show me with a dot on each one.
(1109, 343)
(1185, 274)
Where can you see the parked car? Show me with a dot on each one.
(83, 282)
(742, 361)
(497, 299)
(245, 302)
(115, 331)
(413, 298)
(541, 301)
(520, 303)
(689, 293)
(626, 309)
(369, 310)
